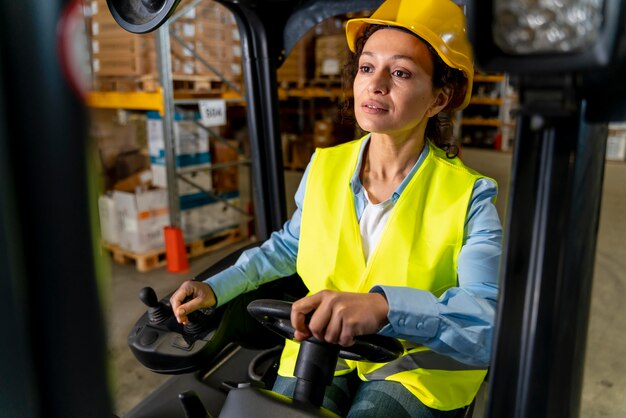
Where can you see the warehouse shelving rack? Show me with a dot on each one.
(164, 65)
(167, 103)
(480, 114)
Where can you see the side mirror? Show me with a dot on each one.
(141, 16)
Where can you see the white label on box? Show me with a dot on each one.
(145, 176)
(330, 67)
(90, 9)
(189, 30)
(95, 46)
(130, 224)
(212, 112)
(616, 148)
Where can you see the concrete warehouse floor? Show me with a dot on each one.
(604, 389)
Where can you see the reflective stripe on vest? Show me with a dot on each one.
(426, 359)
(418, 248)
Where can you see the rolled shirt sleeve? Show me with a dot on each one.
(273, 259)
(460, 322)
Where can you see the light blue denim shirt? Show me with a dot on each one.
(458, 324)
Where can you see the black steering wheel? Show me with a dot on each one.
(276, 315)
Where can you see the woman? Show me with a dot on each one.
(391, 235)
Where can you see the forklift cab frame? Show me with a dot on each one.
(52, 307)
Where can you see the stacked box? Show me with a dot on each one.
(301, 151)
(183, 61)
(191, 143)
(201, 213)
(133, 215)
(116, 52)
(213, 216)
(224, 57)
(616, 142)
(211, 31)
(209, 28)
(141, 215)
(109, 223)
(331, 130)
(320, 53)
(225, 179)
(296, 69)
(323, 133)
(330, 55)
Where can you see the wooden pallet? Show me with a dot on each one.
(194, 84)
(183, 84)
(154, 259)
(296, 82)
(327, 81)
(146, 83)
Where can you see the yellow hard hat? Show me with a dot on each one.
(441, 23)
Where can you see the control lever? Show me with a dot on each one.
(163, 345)
(158, 312)
(192, 405)
(196, 322)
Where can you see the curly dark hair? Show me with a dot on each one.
(439, 127)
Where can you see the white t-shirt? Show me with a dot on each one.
(372, 223)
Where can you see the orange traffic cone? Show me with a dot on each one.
(175, 252)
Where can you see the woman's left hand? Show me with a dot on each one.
(339, 317)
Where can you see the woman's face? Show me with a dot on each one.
(393, 91)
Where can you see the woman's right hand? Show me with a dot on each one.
(199, 295)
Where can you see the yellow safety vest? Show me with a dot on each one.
(419, 248)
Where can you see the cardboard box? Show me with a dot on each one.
(225, 179)
(330, 55)
(323, 133)
(301, 151)
(109, 222)
(191, 143)
(211, 218)
(616, 142)
(203, 179)
(142, 216)
(141, 212)
(299, 63)
(616, 148)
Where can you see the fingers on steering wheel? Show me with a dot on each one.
(320, 322)
(346, 338)
(299, 313)
(301, 331)
(334, 330)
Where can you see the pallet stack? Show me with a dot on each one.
(119, 58)
(122, 61)
(318, 56)
(331, 52)
(295, 71)
(206, 34)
